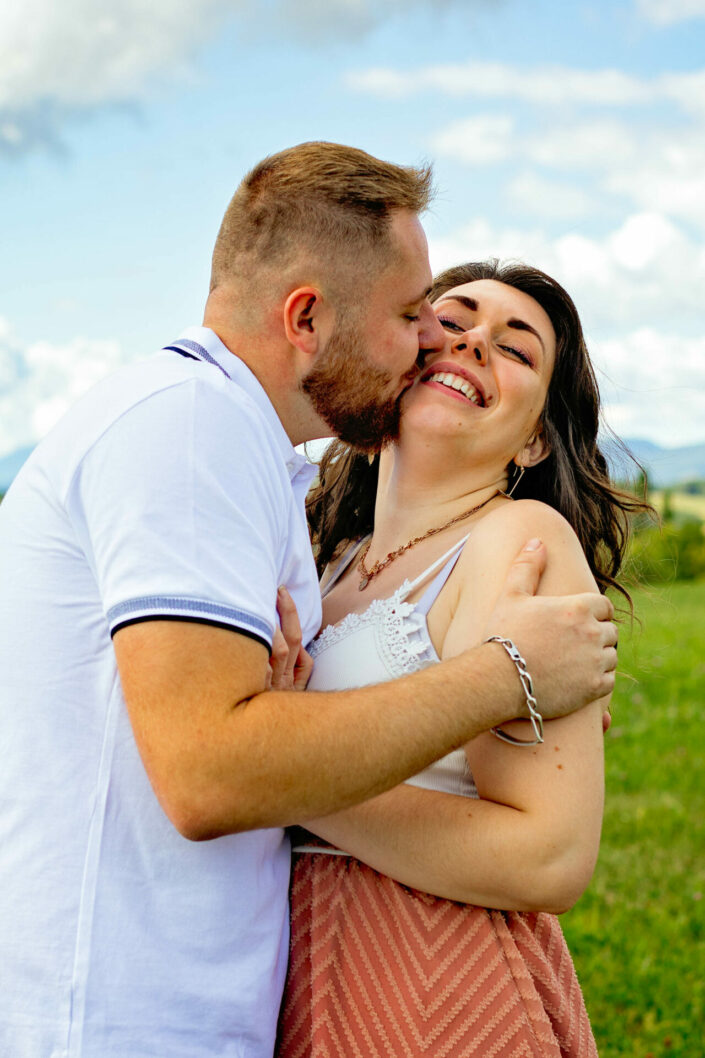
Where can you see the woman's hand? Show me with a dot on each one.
(290, 665)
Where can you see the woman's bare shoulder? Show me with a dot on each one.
(520, 516)
(498, 538)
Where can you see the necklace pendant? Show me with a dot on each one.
(364, 581)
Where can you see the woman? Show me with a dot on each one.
(497, 443)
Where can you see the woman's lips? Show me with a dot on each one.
(458, 381)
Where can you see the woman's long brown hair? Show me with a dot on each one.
(574, 478)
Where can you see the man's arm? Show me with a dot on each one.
(224, 755)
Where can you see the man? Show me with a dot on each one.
(164, 511)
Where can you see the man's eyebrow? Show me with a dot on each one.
(420, 298)
(518, 325)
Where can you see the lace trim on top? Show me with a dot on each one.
(399, 633)
(400, 628)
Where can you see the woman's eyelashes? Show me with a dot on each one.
(524, 357)
(449, 324)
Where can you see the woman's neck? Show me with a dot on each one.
(423, 486)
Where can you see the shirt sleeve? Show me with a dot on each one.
(183, 501)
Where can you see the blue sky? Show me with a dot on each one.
(568, 134)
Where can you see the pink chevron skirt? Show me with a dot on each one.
(378, 970)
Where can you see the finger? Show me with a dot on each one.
(601, 608)
(606, 633)
(610, 634)
(609, 659)
(606, 721)
(289, 622)
(525, 571)
(302, 670)
(278, 659)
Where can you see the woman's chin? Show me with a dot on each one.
(435, 419)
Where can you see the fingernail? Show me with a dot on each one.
(532, 545)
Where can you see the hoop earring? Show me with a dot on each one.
(517, 479)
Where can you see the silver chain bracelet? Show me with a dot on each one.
(528, 686)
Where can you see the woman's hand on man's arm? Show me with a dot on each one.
(290, 664)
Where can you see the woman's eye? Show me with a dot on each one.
(451, 325)
(518, 353)
(412, 319)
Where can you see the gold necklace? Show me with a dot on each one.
(366, 575)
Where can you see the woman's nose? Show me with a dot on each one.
(474, 343)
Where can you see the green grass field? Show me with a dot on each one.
(638, 934)
(681, 503)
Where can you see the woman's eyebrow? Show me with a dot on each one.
(469, 303)
(518, 325)
(522, 325)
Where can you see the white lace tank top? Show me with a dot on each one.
(390, 639)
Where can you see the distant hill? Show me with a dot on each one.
(666, 466)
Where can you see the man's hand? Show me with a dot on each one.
(568, 641)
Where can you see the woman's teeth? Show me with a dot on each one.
(456, 382)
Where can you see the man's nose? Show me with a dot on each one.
(432, 337)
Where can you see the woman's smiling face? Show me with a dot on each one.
(496, 365)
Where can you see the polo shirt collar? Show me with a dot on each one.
(204, 344)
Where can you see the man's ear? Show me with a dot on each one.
(535, 450)
(305, 318)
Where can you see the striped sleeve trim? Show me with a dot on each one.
(173, 607)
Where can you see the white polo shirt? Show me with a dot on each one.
(170, 491)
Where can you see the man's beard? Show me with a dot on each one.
(344, 388)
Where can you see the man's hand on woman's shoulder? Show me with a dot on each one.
(568, 641)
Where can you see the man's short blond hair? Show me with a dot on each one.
(318, 212)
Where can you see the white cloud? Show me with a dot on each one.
(79, 53)
(652, 164)
(653, 385)
(39, 383)
(493, 80)
(478, 239)
(654, 168)
(59, 58)
(559, 86)
(62, 58)
(667, 12)
(685, 89)
(322, 17)
(480, 140)
(646, 268)
(678, 191)
(643, 240)
(573, 145)
(542, 197)
(582, 144)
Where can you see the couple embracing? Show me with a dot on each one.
(156, 747)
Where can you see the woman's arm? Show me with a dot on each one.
(531, 841)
